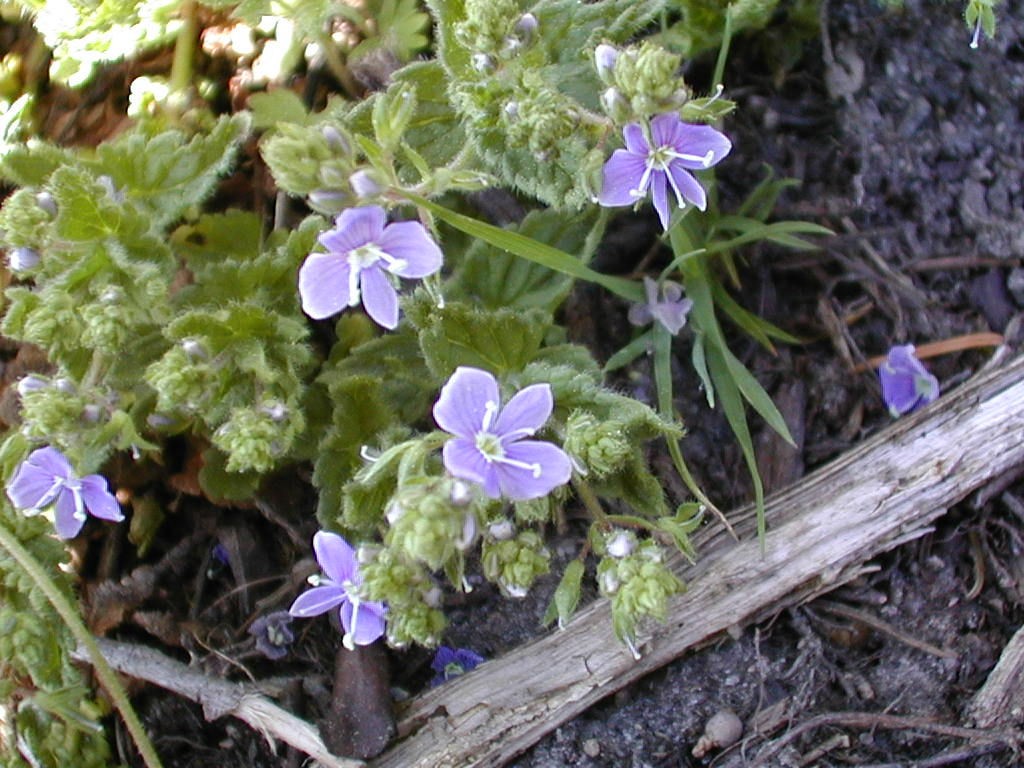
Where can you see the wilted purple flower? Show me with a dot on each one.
(452, 662)
(605, 57)
(667, 306)
(488, 447)
(675, 149)
(273, 634)
(361, 254)
(46, 478)
(363, 620)
(906, 383)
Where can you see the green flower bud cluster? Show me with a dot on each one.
(414, 600)
(48, 318)
(255, 438)
(648, 79)
(603, 447)
(181, 379)
(488, 25)
(52, 409)
(430, 521)
(307, 160)
(638, 583)
(104, 324)
(25, 221)
(514, 563)
(537, 116)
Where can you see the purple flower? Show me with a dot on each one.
(906, 383)
(273, 634)
(361, 254)
(46, 478)
(452, 662)
(489, 448)
(667, 306)
(362, 620)
(675, 149)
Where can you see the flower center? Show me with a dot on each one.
(490, 446)
(364, 257)
(659, 159)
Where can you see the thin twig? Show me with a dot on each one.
(217, 697)
(887, 629)
(868, 720)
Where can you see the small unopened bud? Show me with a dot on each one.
(276, 411)
(516, 591)
(512, 110)
(31, 383)
(364, 184)
(159, 421)
(91, 413)
(461, 494)
(107, 182)
(526, 27)
(621, 544)
(331, 200)
(615, 105)
(604, 59)
(482, 63)
(23, 258)
(194, 349)
(394, 512)
(46, 202)
(335, 140)
(501, 530)
(67, 386)
(465, 541)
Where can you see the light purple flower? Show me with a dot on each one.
(362, 620)
(667, 306)
(362, 256)
(488, 447)
(675, 149)
(452, 662)
(46, 478)
(906, 383)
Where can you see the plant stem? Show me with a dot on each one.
(589, 499)
(338, 67)
(73, 621)
(184, 49)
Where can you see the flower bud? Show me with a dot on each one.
(501, 530)
(194, 349)
(21, 259)
(31, 383)
(364, 184)
(482, 63)
(526, 27)
(615, 105)
(329, 200)
(619, 544)
(605, 57)
(45, 201)
(336, 140)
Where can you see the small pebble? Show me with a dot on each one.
(722, 730)
(591, 747)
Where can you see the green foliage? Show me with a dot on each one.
(50, 706)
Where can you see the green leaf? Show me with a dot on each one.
(497, 278)
(759, 329)
(29, 165)
(638, 346)
(280, 105)
(87, 212)
(501, 341)
(219, 485)
(167, 173)
(531, 250)
(567, 595)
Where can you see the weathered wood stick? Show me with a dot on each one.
(1001, 699)
(218, 697)
(881, 494)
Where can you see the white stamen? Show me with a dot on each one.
(490, 411)
(367, 455)
(354, 270)
(645, 179)
(977, 33)
(706, 159)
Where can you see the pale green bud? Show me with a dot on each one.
(426, 525)
(648, 78)
(514, 564)
(252, 440)
(601, 446)
(616, 106)
(392, 113)
(415, 623)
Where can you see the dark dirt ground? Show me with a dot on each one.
(909, 146)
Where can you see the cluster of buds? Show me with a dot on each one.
(413, 599)
(600, 446)
(641, 81)
(432, 520)
(254, 438)
(514, 561)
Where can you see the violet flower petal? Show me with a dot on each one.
(688, 187)
(67, 520)
(524, 483)
(323, 284)
(636, 142)
(697, 140)
(621, 176)
(31, 488)
(526, 412)
(336, 557)
(53, 462)
(659, 196)
(317, 600)
(380, 300)
(354, 227)
(410, 242)
(464, 401)
(365, 624)
(464, 460)
(99, 500)
(672, 314)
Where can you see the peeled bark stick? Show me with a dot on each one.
(883, 493)
(218, 697)
(1001, 698)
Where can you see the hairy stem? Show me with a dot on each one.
(73, 621)
(184, 49)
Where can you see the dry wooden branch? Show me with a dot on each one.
(886, 492)
(1001, 699)
(218, 697)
